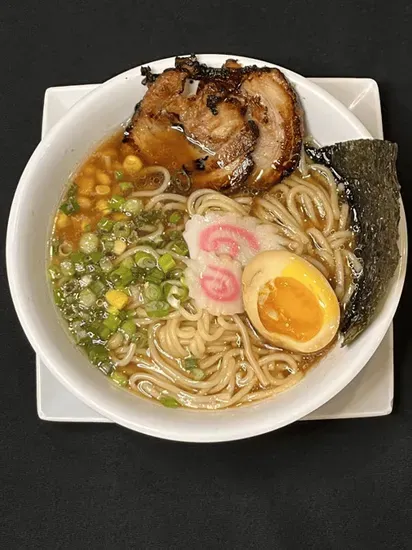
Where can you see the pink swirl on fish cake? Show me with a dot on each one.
(211, 241)
(222, 285)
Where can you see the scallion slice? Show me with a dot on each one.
(145, 260)
(105, 225)
(87, 298)
(190, 363)
(122, 230)
(157, 309)
(133, 206)
(166, 262)
(152, 292)
(155, 276)
(120, 378)
(175, 217)
(88, 243)
(168, 401)
(116, 203)
(129, 328)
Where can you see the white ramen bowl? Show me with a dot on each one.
(63, 149)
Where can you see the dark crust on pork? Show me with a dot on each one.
(367, 169)
(225, 85)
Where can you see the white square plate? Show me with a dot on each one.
(369, 394)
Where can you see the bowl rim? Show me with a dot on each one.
(28, 324)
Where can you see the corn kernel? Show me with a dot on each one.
(119, 247)
(89, 170)
(84, 223)
(62, 220)
(102, 205)
(132, 164)
(117, 298)
(103, 178)
(118, 217)
(102, 189)
(85, 185)
(84, 203)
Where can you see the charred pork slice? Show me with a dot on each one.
(205, 132)
(152, 131)
(273, 105)
(270, 101)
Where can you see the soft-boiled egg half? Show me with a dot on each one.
(290, 302)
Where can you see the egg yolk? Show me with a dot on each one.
(286, 306)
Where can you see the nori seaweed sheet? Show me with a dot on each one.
(367, 168)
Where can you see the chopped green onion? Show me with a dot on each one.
(88, 243)
(104, 332)
(168, 401)
(68, 287)
(144, 260)
(107, 244)
(172, 296)
(88, 227)
(121, 229)
(69, 207)
(106, 265)
(120, 378)
(96, 256)
(198, 374)
(118, 175)
(152, 292)
(176, 274)
(97, 354)
(133, 238)
(67, 268)
(87, 297)
(85, 280)
(155, 276)
(105, 225)
(180, 248)
(157, 309)
(190, 363)
(121, 276)
(166, 262)
(179, 292)
(77, 257)
(125, 186)
(128, 262)
(58, 297)
(133, 206)
(175, 217)
(183, 294)
(139, 274)
(116, 203)
(175, 235)
(54, 272)
(112, 322)
(98, 287)
(78, 331)
(129, 328)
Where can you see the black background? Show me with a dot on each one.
(332, 484)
